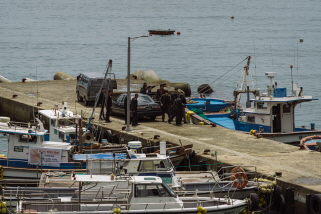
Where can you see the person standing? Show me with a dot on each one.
(125, 107)
(144, 88)
(149, 91)
(183, 107)
(165, 103)
(177, 112)
(101, 103)
(160, 91)
(109, 106)
(174, 96)
(133, 108)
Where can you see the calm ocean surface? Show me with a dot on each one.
(40, 38)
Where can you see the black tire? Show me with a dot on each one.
(254, 202)
(277, 192)
(152, 117)
(279, 204)
(79, 98)
(315, 204)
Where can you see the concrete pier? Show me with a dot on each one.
(300, 168)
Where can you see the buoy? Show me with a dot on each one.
(178, 33)
(301, 40)
(232, 17)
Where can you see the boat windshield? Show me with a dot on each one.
(153, 190)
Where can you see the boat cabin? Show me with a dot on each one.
(60, 123)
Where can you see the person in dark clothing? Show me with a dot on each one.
(144, 88)
(149, 91)
(101, 102)
(165, 103)
(160, 91)
(177, 111)
(174, 96)
(108, 106)
(133, 108)
(125, 107)
(184, 105)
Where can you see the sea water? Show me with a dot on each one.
(40, 38)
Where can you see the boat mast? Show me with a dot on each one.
(246, 80)
(109, 65)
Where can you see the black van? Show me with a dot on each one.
(88, 85)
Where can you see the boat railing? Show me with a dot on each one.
(63, 205)
(24, 164)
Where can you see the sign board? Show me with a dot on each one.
(44, 156)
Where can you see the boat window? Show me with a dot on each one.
(261, 105)
(251, 119)
(286, 108)
(146, 190)
(150, 190)
(169, 190)
(162, 191)
(53, 123)
(28, 138)
(147, 165)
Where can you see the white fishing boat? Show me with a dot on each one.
(61, 123)
(136, 194)
(29, 154)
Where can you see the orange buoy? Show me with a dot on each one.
(178, 33)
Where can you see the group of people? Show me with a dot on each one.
(174, 106)
(105, 101)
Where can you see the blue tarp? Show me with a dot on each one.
(106, 156)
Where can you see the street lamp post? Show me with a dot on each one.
(128, 82)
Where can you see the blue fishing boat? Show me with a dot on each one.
(269, 115)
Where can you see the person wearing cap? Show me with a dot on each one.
(165, 103)
(109, 105)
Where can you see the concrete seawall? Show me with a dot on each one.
(300, 168)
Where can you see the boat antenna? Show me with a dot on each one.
(291, 66)
(255, 65)
(272, 58)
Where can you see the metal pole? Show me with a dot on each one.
(128, 88)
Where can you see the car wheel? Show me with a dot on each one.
(80, 99)
(152, 117)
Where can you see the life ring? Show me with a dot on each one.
(237, 169)
(315, 204)
(240, 180)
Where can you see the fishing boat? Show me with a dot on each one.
(29, 154)
(269, 115)
(61, 123)
(135, 194)
(162, 32)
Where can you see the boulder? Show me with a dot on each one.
(205, 88)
